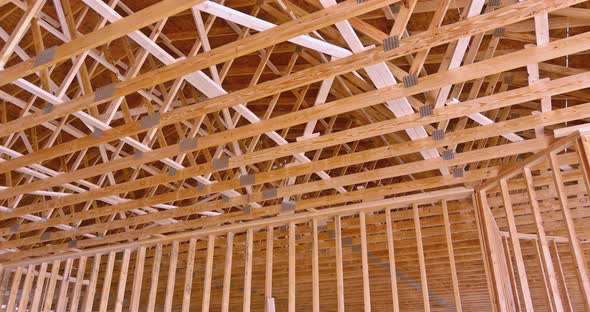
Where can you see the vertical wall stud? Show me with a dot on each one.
(422, 262)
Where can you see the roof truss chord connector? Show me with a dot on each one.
(104, 92)
(137, 154)
(426, 110)
(186, 145)
(438, 134)
(288, 205)
(448, 155)
(494, 3)
(247, 179)
(97, 133)
(201, 186)
(171, 171)
(247, 209)
(270, 193)
(149, 121)
(410, 80)
(225, 198)
(48, 108)
(220, 163)
(458, 172)
(390, 43)
(360, 1)
(499, 32)
(45, 56)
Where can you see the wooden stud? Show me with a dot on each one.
(339, 269)
(171, 277)
(124, 270)
(392, 265)
(365, 263)
(11, 304)
(106, 286)
(91, 290)
(188, 277)
(78, 284)
(449, 238)
(421, 260)
(154, 278)
(137, 280)
(65, 283)
(268, 266)
(208, 273)
(38, 287)
(248, 271)
(315, 264)
(26, 289)
(227, 272)
(292, 264)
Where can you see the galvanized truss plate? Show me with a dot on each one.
(247, 179)
(188, 144)
(390, 43)
(426, 110)
(149, 121)
(104, 92)
(45, 56)
(220, 163)
(269, 193)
